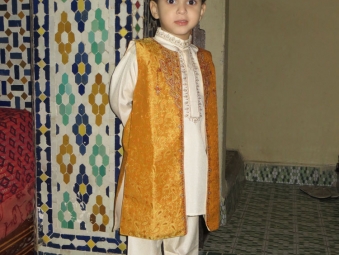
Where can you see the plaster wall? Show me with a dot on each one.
(283, 77)
(214, 25)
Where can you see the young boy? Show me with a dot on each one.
(164, 92)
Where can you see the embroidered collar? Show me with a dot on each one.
(181, 44)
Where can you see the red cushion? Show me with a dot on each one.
(16, 151)
(17, 168)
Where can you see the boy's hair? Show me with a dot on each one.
(202, 1)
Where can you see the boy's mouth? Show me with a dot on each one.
(181, 22)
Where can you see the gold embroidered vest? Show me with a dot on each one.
(154, 192)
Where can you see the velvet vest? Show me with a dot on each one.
(153, 204)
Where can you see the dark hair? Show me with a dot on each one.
(202, 1)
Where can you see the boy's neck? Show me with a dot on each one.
(173, 39)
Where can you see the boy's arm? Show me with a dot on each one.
(123, 83)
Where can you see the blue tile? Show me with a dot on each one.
(2, 23)
(3, 40)
(3, 7)
(14, 23)
(16, 55)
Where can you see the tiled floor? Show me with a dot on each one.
(278, 219)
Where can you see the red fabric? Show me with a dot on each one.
(17, 168)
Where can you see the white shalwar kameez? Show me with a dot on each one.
(122, 86)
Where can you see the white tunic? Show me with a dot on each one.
(122, 87)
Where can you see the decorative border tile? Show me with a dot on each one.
(277, 173)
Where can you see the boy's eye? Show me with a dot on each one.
(171, 1)
(192, 2)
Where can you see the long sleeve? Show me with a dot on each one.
(123, 83)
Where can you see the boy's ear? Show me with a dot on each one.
(203, 9)
(154, 9)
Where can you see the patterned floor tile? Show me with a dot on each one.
(278, 219)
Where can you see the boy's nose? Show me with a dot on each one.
(181, 8)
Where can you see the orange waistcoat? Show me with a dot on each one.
(154, 192)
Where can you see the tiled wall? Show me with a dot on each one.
(15, 54)
(288, 174)
(76, 46)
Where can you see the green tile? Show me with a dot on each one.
(72, 99)
(91, 37)
(95, 150)
(95, 170)
(60, 216)
(98, 13)
(101, 47)
(98, 140)
(104, 35)
(105, 160)
(94, 48)
(98, 58)
(98, 180)
(66, 197)
(95, 25)
(102, 171)
(102, 150)
(101, 24)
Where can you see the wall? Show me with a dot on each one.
(283, 81)
(214, 25)
(76, 46)
(15, 55)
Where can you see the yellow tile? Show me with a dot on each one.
(41, 31)
(95, 209)
(98, 120)
(121, 151)
(66, 178)
(123, 32)
(64, 17)
(82, 189)
(81, 68)
(65, 139)
(44, 207)
(43, 129)
(42, 97)
(122, 246)
(81, 5)
(73, 159)
(82, 129)
(46, 239)
(91, 99)
(91, 244)
(99, 200)
(105, 220)
(43, 177)
(41, 63)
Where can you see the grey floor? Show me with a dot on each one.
(278, 219)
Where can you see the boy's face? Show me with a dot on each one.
(178, 17)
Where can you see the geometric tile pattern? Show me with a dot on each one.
(15, 55)
(42, 101)
(278, 219)
(137, 15)
(303, 175)
(76, 46)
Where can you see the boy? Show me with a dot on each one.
(163, 90)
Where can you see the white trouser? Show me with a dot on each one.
(183, 245)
